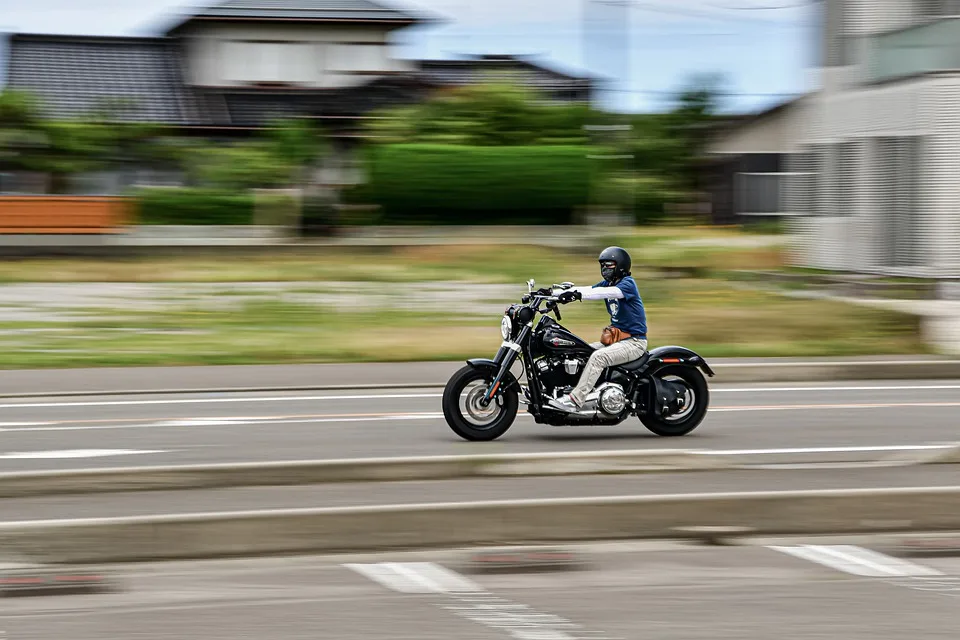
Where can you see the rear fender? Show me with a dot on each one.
(671, 356)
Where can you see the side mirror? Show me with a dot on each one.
(531, 285)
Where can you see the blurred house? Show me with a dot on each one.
(230, 69)
(868, 163)
(744, 174)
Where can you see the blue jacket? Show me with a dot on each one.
(627, 313)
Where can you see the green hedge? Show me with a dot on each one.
(193, 206)
(452, 184)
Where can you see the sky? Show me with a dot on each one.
(648, 48)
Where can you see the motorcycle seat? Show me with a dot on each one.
(636, 364)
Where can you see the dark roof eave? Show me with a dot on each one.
(398, 22)
(474, 62)
(65, 37)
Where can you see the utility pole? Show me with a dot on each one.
(597, 13)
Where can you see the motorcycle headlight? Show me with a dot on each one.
(506, 327)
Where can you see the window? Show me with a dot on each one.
(268, 62)
(926, 9)
(847, 157)
(354, 58)
(897, 191)
(801, 182)
(823, 193)
(759, 193)
(925, 48)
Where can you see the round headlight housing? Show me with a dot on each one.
(506, 327)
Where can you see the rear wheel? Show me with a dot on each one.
(467, 417)
(696, 401)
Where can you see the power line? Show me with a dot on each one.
(721, 94)
(708, 15)
(798, 5)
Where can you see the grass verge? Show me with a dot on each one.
(710, 317)
(705, 250)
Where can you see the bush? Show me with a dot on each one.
(451, 184)
(193, 206)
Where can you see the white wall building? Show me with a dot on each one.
(875, 156)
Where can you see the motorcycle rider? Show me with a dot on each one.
(625, 340)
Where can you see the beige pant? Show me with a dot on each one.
(618, 353)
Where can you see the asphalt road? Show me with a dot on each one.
(625, 591)
(300, 376)
(107, 505)
(111, 431)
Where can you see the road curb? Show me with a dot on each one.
(358, 529)
(45, 483)
(726, 372)
(839, 370)
(312, 472)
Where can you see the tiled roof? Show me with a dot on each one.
(73, 76)
(462, 72)
(308, 10)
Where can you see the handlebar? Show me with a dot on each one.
(547, 295)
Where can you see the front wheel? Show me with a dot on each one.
(696, 400)
(467, 417)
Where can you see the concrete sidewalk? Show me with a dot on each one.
(429, 374)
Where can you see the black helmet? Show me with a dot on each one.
(622, 264)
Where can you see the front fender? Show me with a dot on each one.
(482, 364)
(667, 355)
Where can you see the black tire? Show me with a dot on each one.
(506, 400)
(692, 416)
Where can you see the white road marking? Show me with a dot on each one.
(473, 602)
(312, 398)
(857, 561)
(835, 407)
(199, 423)
(206, 422)
(416, 577)
(24, 424)
(122, 403)
(811, 554)
(893, 447)
(436, 577)
(890, 563)
(389, 578)
(72, 453)
(931, 387)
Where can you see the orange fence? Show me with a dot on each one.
(62, 215)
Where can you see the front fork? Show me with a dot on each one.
(506, 356)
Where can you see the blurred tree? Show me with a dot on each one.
(71, 147)
(483, 114)
(295, 140)
(19, 130)
(280, 156)
(238, 166)
(62, 148)
(695, 109)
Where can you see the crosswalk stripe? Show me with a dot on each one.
(416, 577)
(857, 561)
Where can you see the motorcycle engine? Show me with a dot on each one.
(559, 374)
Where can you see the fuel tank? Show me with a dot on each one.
(555, 340)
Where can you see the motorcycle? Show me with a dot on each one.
(665, 388)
